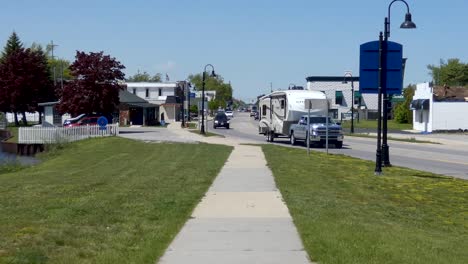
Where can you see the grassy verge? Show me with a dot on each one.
(410, 140)
(192, 125)
(14, 133)
(391, 124)
(345, 214)
(108, 200)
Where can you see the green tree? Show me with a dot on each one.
(451, 73)
(145, 77)
(60, 66)
(223, 90)
(194, 109)
(13, 44)
(213, 105)
(403, 114)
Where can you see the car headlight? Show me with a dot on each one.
(216, 121)
(314, 133)
(228, 121)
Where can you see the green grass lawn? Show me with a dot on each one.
(410, 140)
(372, 124)
(345, 214)
(108, 200)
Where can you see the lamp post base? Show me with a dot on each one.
(386, 158)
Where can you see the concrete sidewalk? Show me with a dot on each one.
(241, 219)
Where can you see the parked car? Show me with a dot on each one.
(86, 121)
(256, 116)
(253, 111)
(73, 120)
(229, 114)
(221, 120)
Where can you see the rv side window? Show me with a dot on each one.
(282, 104)
(264, 107)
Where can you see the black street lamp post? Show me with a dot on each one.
(378, 155)
(183, 99)
(348, 74)
(202, 129)
(408, 24)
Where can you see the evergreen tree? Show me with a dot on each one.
(13, 44)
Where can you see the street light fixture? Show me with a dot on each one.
(202, 130)
(348, 74)
(407, 24)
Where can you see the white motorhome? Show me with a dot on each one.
(280, 109)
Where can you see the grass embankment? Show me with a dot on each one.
(108, 200)
(14, 134)
(372, 124)
(345, 214)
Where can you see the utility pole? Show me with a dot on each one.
(52, 46)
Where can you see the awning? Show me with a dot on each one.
(338, 94)
(357, 94)
(420, 104)
(143, 105)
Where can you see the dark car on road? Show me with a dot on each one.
(221, 120)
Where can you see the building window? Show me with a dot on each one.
(159, 92)
(264, 108)
(147, 93)
(357, 98)
(338, 97)
(134, 91)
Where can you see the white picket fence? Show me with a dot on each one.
(51, 135)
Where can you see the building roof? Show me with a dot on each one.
(127, 97)
(446, 93)
(331, 78)
(151, 84)
(48, 103)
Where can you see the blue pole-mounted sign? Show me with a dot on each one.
(102, 122)
(392, 69)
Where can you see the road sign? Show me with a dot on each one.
(102, 122)
(392, 82)
(192, 95)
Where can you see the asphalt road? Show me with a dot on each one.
(449, 158)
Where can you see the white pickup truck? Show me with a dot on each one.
(318, 131)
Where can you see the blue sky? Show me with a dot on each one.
(250, 43)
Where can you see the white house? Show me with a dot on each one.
(339, 94)
(153, 92)
(439, 110)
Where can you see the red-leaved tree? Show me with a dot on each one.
(95, 85)
(24, 81)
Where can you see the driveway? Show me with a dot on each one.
(154, 134)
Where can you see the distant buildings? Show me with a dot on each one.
(439, 108)
(339, 94)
